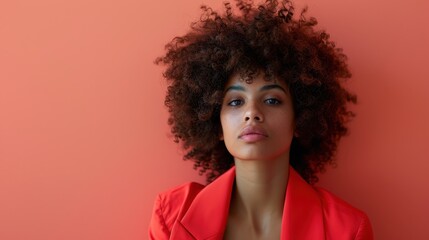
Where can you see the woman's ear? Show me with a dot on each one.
(221, 136)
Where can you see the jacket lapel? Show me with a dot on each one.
(207, 215)
(302, 212)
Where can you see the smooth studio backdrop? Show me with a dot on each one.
(84, 144)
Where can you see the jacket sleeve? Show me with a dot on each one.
(157, 228)
(364, 231)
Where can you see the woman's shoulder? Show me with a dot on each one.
(338, 214)
(171, 205)
(182, 191)
(335, 205)
(179, 197)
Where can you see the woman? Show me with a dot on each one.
(256, 101)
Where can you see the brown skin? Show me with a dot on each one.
(263, 105)
(261, 162)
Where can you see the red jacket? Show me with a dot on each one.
(194, 211)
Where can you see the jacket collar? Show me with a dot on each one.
(302, 212)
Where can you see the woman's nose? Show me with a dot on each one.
(253, 114)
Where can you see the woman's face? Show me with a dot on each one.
(257, 119)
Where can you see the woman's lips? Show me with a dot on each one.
(252, 134)
(252, 137)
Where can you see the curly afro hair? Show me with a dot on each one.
(262, 37)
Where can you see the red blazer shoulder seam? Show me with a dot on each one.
(161, 213)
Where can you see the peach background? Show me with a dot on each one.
(84, 144)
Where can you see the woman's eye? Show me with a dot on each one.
(272, 101)
(235, 102)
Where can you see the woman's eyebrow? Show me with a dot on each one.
(235, 87)
(272, 86)
(264, 88)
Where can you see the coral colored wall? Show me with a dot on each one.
(84, 144)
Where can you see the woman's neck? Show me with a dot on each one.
(260, 189)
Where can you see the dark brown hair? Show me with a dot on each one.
(265, 37)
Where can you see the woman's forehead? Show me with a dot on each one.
(240, 78)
